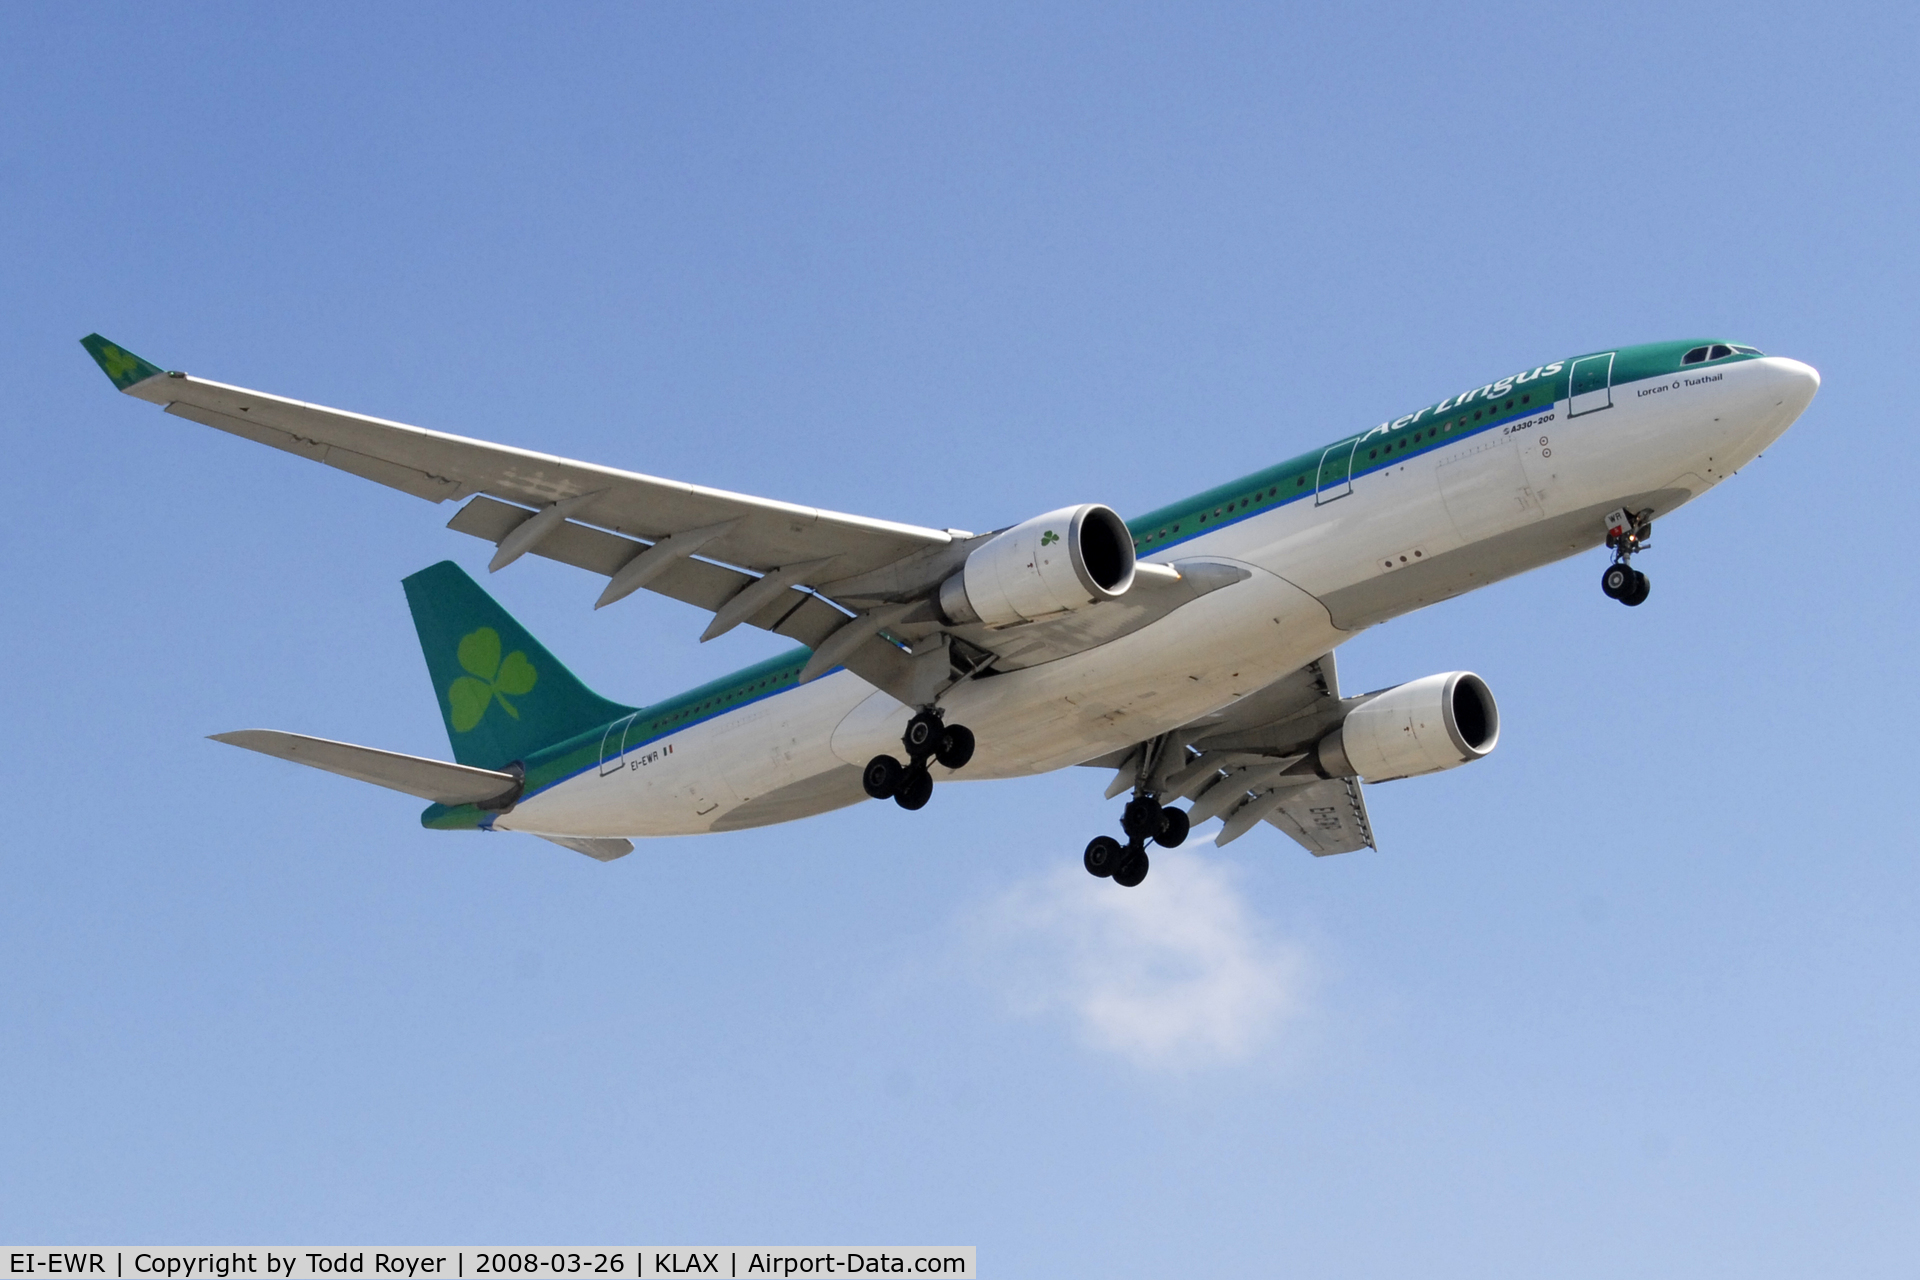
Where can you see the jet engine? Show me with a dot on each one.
(1440, 722)
(1054, 563)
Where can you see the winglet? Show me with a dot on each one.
(118, 363)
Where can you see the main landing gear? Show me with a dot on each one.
(1142, 820)
(1627, 534)
(910, 785)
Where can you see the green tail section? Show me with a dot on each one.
(502, 694)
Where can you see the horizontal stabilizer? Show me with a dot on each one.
(605, 848)
(416, 775)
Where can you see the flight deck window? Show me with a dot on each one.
(1720, 350)
(1694, 356)
(1746, 351)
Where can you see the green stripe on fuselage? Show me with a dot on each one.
(1390, 443)
(583, 753)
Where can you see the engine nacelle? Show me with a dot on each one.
(1055, 563)
(1440, 722)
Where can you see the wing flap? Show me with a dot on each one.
(440, 780)
(1326, 818)
(700, 583)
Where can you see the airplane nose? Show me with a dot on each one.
(1797, 382)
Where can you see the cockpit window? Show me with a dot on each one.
(1718, 351)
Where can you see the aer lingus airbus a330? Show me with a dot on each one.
(1190, 649)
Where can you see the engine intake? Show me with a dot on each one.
(1440, 722)
(1052, 564)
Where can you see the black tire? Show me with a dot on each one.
(1641, 589)
(1173, 828)
(1132, 871)
(922, 737)
(916, 788)
(1141, 819)
(956, 747)
(1104, 853)
(1617, 582)
(882, 777)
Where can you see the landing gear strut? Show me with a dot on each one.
(910, 785)
(1626, 534)
(1144, 820)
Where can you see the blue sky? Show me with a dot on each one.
(1636, 993)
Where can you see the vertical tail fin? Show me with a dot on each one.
(501, 693)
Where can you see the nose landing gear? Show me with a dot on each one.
(927, 737)
(1627, 534)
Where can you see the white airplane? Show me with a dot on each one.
(1191, 649)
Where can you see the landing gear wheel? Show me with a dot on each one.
(1173, 828)
(956, 747)
(1637, 594)
(1142, 819)
(916, 787)
(1132, 871)
(923, 735)
(1104, 853)
(1617, 582)
(882, 777)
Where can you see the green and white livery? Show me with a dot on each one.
(1190, 649)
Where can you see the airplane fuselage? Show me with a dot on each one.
(1506, 477)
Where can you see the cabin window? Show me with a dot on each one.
(1526, 399)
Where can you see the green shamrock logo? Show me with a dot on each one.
(122, 366)
(489, 679)
(1048, 538)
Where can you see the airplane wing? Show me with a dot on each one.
(756, 533)
(854, 590)
(1234, 765)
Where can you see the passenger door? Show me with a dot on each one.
(1590, 385)
(613, 745)
(1336, 472)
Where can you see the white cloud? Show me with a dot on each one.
(1176, 973)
